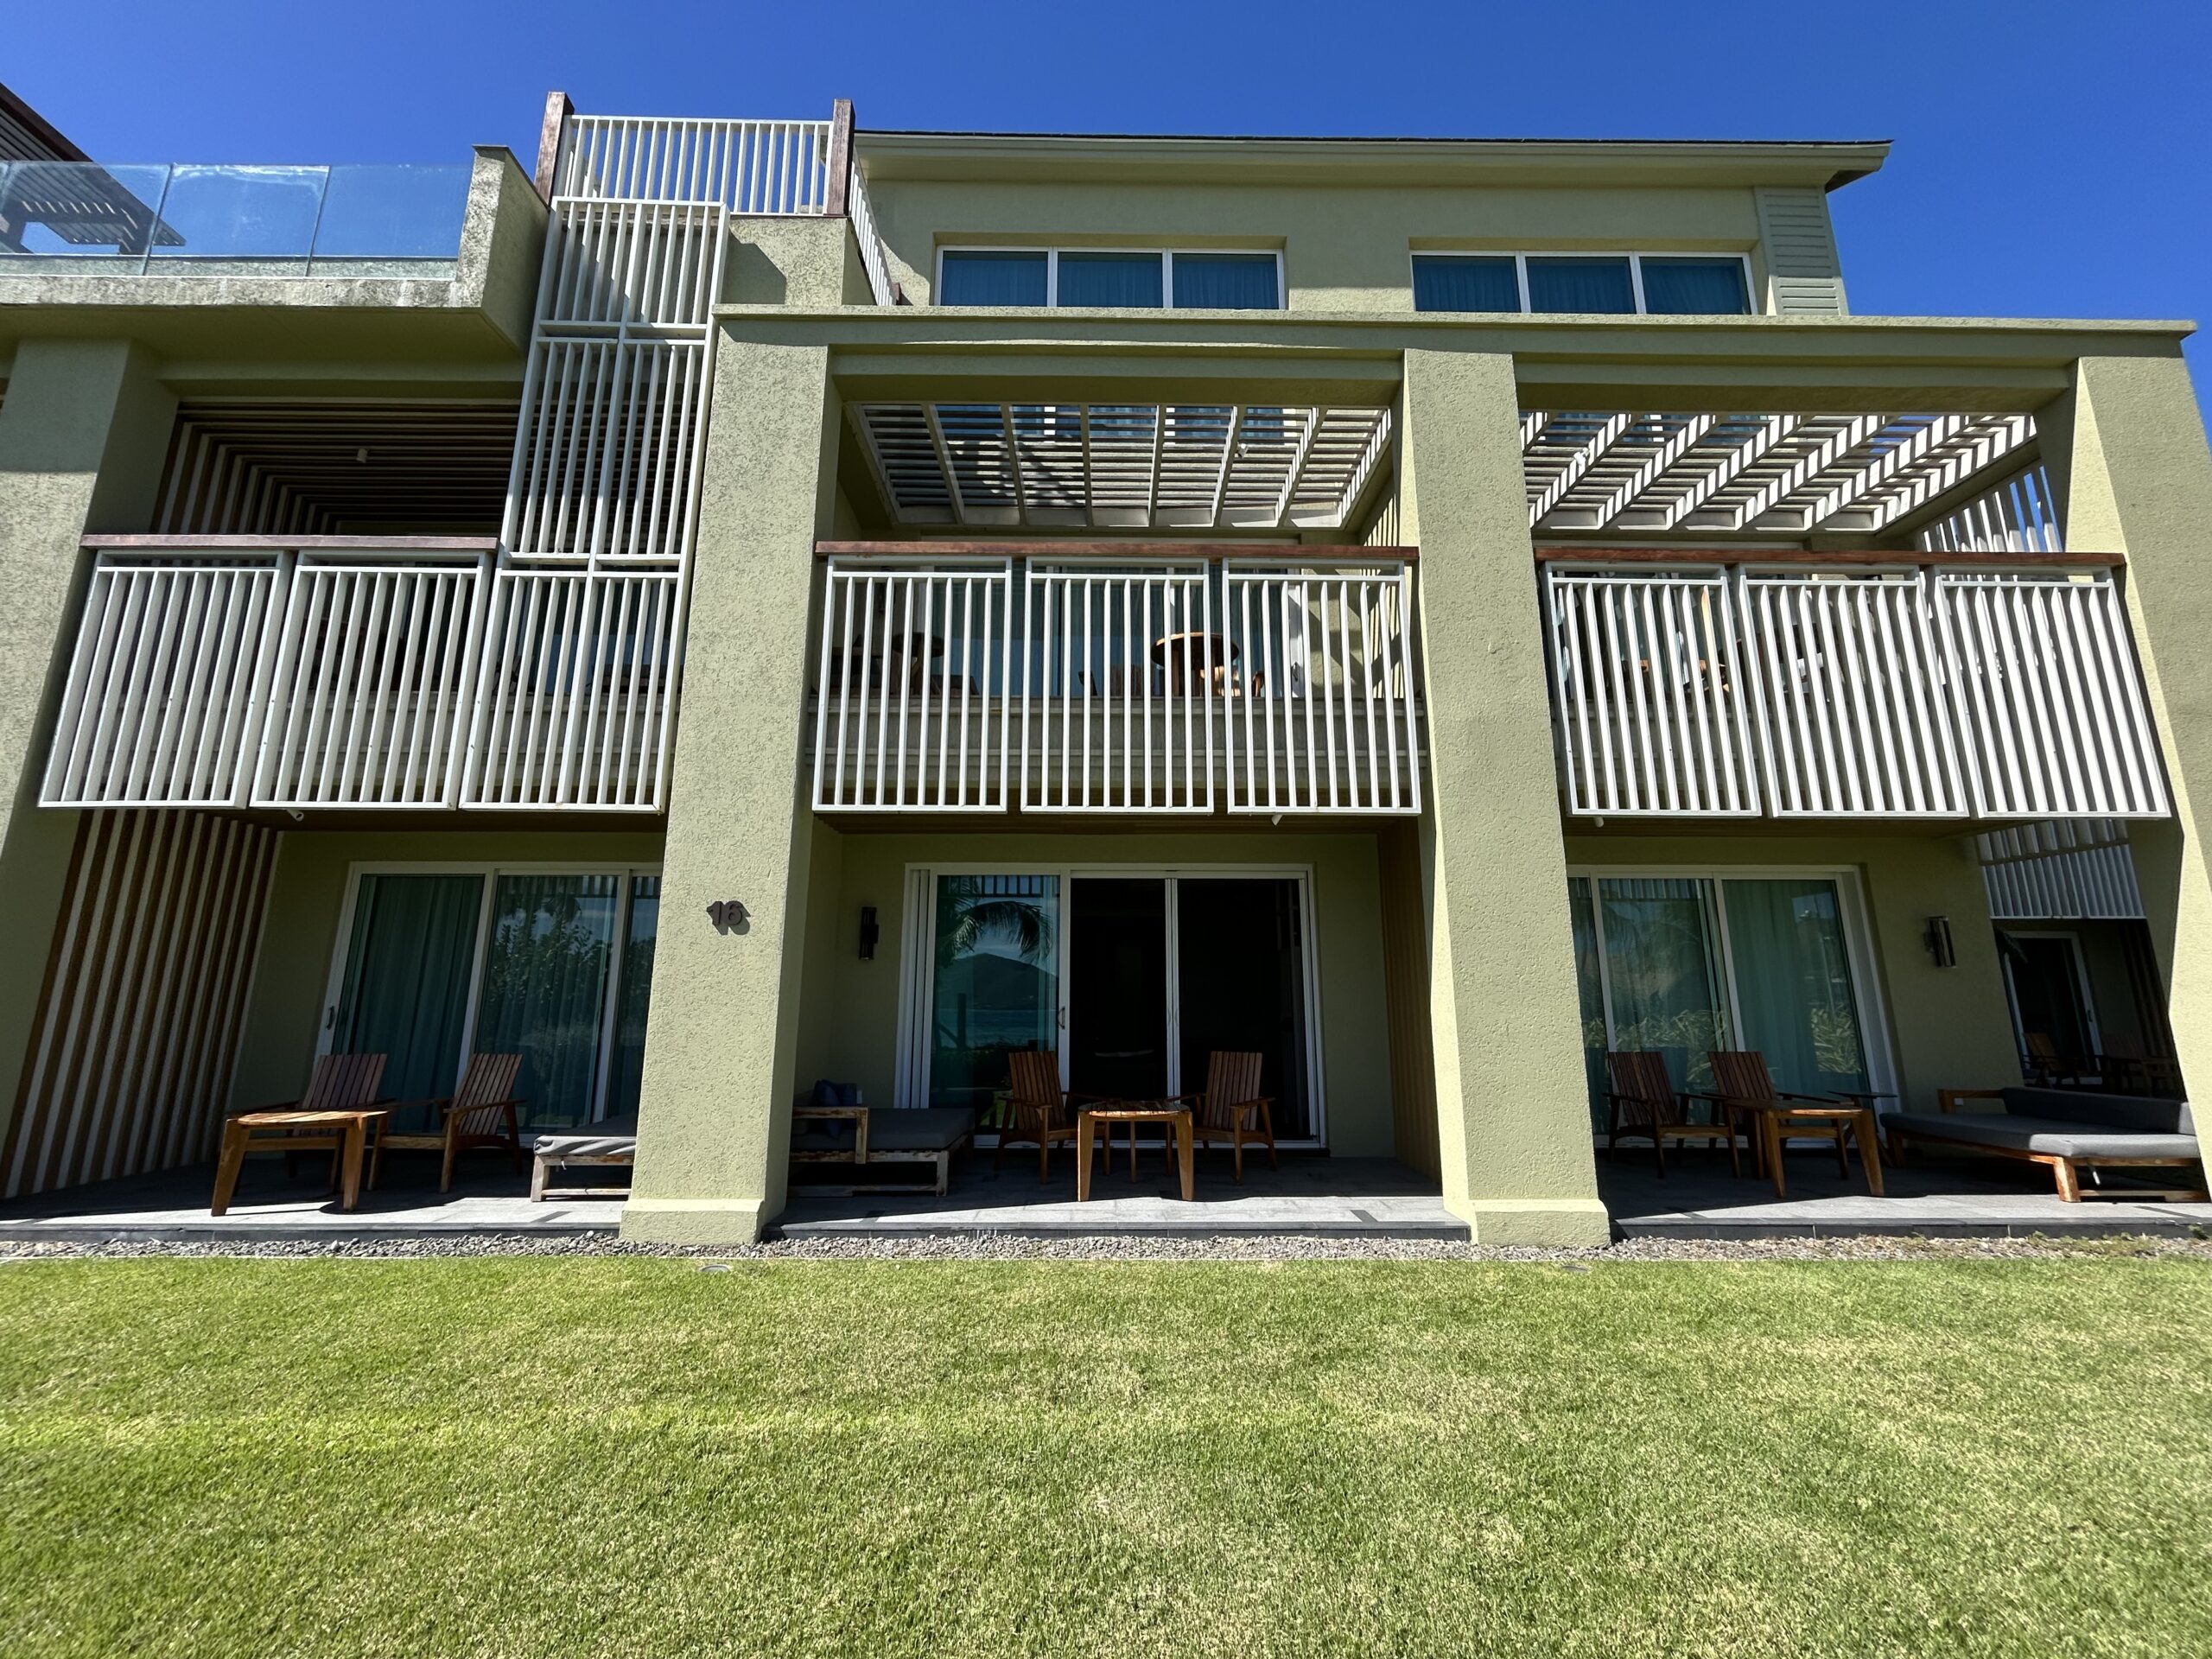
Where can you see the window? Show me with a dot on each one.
(1686, 964)
(1145, 279)
(1619, 284)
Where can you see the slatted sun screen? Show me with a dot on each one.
(1885, 694)
(2061, 871)
(1123, 465)
(135, 1034)
(1770, 474)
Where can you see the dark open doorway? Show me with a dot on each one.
(1241, 961)
(1117, 986)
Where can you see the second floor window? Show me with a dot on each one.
(1145, 279)
(1622, 285)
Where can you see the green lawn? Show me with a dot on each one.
(629, 1455)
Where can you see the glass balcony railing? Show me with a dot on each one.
(183, 220)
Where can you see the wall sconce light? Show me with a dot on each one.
(1938, 939)
(728, 914)
(869, 933)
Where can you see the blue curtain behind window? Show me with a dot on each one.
(1110, 279)
(1226, 282)
(993, 279)
(1457, 284)
(1584, 286)
(1695, 288)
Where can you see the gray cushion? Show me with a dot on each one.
(2133, 1113)
(609, 1138)
(2054, 1137)
(933, 1128)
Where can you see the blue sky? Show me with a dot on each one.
(2051, 159)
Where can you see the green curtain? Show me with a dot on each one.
(632, 997)
(544, 996)
(1664, 969)
(406, 986)
(1793, 982)
(1590, 989)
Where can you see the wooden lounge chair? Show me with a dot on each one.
(1043, 1112)
(340, 1084)
(479, 1116)
(1645, 1103)
(1745, 1087)
(1230, 1108)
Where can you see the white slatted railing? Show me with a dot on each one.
(1882, 694)
(1648, 682)
(748, 167)
(163, 702)
(1121, 671)
(914, 687)
(1319, 691)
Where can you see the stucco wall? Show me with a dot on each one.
(849, 1028)
(307, 898)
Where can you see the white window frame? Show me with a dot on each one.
(917, 967)
(487, 871)
(1857, 944)
(1053, 270)
(1520, 259)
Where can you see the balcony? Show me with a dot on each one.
(180, 220)
(1118, 678)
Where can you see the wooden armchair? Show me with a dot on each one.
(1643, 1102)
(1231, 1108)
(479, 1116)
(1037, 1109)
(338, 1083)
(1742, 1084)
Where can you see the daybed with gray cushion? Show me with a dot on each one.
(611, 1141)
(863, 1136)
(2067, 1130)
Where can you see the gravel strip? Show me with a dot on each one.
(1261, 1248)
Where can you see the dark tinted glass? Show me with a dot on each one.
(1451, 282)
(1226, 282)
(1110, 279)
(973, 278)
(1584, 286)
(1696, 288)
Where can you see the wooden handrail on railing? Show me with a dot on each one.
(1855, 558)
(1163, 552)
(129, 543)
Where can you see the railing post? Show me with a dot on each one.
(834, 198)
(558, 111)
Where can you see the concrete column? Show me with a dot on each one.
(2127, 457)
(1513, 1124)
(722, 1039)
(83, 432)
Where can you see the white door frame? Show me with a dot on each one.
(918, 963)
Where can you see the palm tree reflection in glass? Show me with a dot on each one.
(996, 985)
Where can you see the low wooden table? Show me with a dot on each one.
(344, 1131)
(1770, 1127)
(1086, 1131)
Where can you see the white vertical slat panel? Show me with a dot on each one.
(1317, 690)
(1852, 705)
(2052, 708)
(748, 167)
(2018, 515)
(914, 686)
(1119, 689)
(160, 708)
(1648, 687)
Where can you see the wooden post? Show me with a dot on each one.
(840, 157)
(558, 111)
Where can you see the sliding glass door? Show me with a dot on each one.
(1134, 977)
(555, 965)
(1686, 964)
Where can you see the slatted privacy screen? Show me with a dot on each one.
(747, 167)
(634, 263)
(915, 687)
(1852, 705)
(609, 454)
(1630, 470)
(2053, 715)
(1123, 465)
(1317, 692)
(575, 693)
(164, 701)
(1650, 683)
(375, 672)
(2016, 516)
(1118, 666)
(2061, 870)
